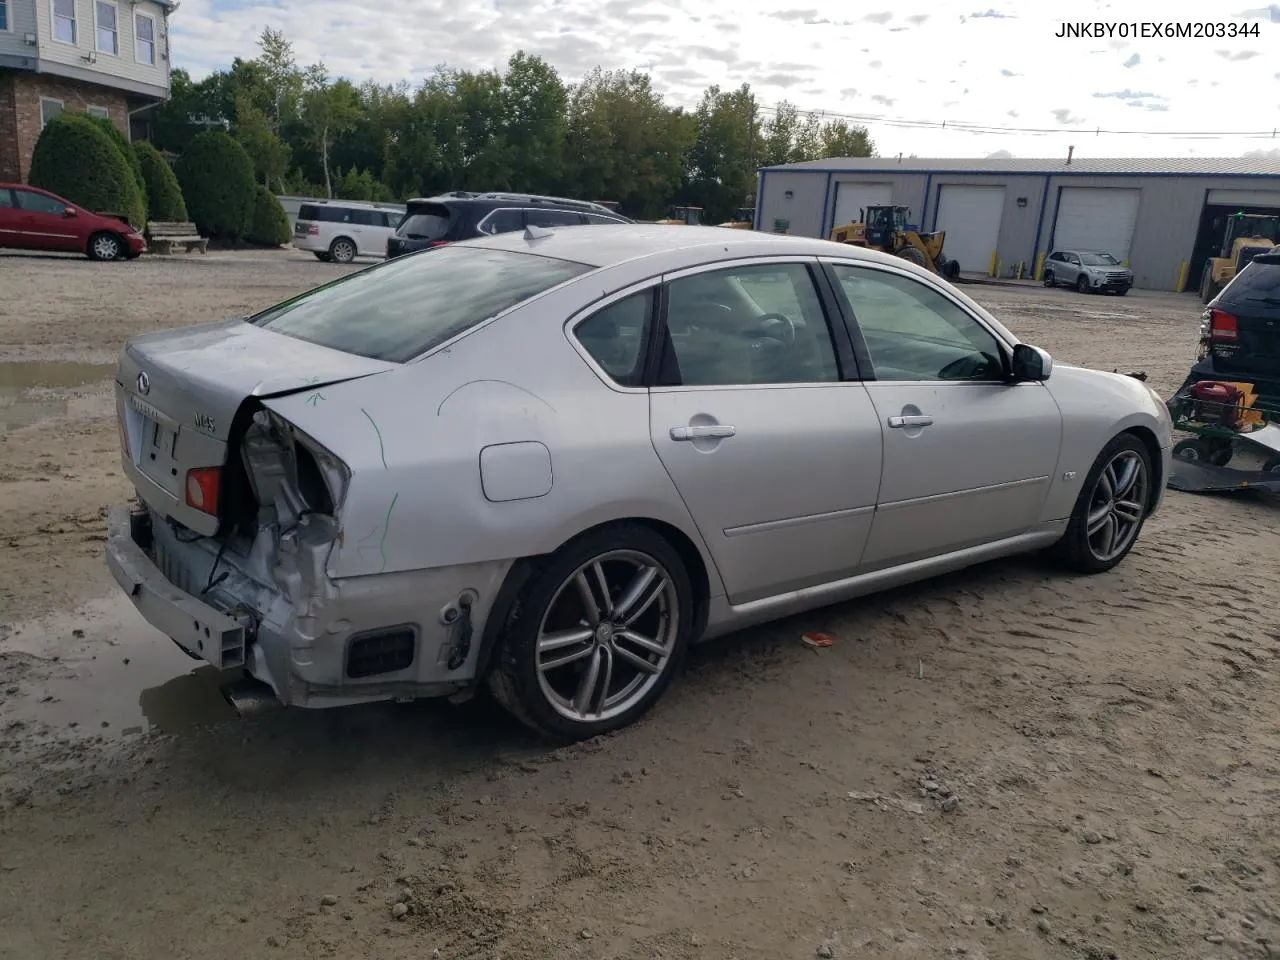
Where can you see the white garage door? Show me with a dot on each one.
(852, 197)
(971, 216)
(1244, 198)
(1096, 218)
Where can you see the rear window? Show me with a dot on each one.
(426, 222)
(404, 307)
(1257, 283)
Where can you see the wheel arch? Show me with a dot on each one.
(1146, 436)
(524, 568)
(342, 236)
(119, 238)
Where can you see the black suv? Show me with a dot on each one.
(435, 221)
(1240, 330)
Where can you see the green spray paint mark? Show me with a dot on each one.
(382, 451)
(314, 399)
(386, 525)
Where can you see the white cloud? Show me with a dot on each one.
(1003, 54)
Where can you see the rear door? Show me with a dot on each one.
(45, 225)
(368, 229)
(968, 456)
(10, 235)
(761, 423)
(1244, 330)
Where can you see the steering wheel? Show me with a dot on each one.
(788, 331)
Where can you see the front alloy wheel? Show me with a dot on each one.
(104, 246)
(597, 634)
(1082, 283)
(1111, 508)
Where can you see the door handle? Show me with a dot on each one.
(709, 432)
(921, 420)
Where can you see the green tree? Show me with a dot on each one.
(532, 104)
(270, 226)
(252, 130)
(164, 195)
(721, 166)
(125, 148)
(76, 159)
(838, 139)
(779, 139)
(280, 76)
(217, 182)
(328, 110)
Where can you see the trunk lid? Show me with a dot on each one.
(178, 393)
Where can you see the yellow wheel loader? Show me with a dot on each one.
(1247, 236)
(684, 216)
(744, 218)
(886, 229)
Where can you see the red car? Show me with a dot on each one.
(35, 219)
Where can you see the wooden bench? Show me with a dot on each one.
(163, 236)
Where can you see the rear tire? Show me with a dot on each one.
(912, 255)
(104, 246)
(342, 250)
(1048, 278)
(1272, 466)
(575, 698)
(1204, 450)
(1111, 508)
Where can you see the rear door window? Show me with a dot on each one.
(502, 221)
(401, 308)
(599, 218)
(427, 222)
(553, 218)
(364, 218)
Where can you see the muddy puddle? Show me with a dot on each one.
(101, 671)
(30, 390)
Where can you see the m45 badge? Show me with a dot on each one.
(204, 422)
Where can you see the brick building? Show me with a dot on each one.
(108, 57)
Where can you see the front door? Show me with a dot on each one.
(776, 457)
(968, 457)
(43, 223)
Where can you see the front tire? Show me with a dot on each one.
(596, 635)
(1111, 508)
(104, 246)
(1082, 284)
(1048, 278)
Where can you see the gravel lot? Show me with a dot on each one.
(1111, 742)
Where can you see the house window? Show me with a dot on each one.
(108, 34)
(98, 112)
(144, 44)
(48, 110)
(64, 20)
(4, 14)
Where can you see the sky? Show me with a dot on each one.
(900, 68)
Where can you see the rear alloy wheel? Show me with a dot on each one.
(1111, 508)
(342, 250)
(1048, 278)
(104, 246)
(1082, 283)
(597, 634)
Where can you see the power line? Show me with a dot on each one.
(965, 126)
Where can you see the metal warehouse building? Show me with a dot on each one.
(1002, 217)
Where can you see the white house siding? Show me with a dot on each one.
(125, 65)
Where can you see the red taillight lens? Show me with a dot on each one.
(202, 489)
(438, 243)
(1223, 325)
(313, 228)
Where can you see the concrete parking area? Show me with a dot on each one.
(1002, 763)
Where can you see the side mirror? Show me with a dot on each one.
(1031, 364)
(70, 212)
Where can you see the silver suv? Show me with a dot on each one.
(1089, 271)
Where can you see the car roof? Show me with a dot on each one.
(606, 245)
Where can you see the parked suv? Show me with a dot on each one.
(1089, 271)
(1240, 330)
(35, 219)
(341, 230)
(435, 221)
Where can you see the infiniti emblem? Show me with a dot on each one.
(144, 383)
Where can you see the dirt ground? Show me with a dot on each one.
(1112, 743)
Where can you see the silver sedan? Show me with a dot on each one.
(548, 462)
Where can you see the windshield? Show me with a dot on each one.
(425, 223)
(1099, 260)
(404, 307)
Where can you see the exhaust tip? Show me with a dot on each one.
(249, 697)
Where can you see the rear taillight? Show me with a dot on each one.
(313, 228)
(203, 485)
(1223, 325)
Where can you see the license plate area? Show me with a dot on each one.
(154, 442)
